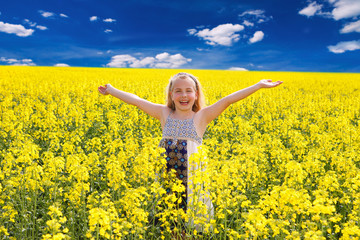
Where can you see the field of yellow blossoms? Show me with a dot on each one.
(282, 164)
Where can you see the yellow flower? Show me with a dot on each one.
(282, 162)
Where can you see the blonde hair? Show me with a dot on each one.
(199, 102)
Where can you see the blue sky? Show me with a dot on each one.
(261, 35)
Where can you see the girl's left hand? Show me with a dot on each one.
(268, 83)
(105, 89)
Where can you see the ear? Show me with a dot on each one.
(171, 95)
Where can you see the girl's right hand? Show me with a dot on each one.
(268, 83)
(105, 90)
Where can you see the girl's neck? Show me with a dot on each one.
(182, 114)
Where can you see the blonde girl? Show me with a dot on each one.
(183, 119)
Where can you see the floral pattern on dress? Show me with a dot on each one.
(177, 159)
(179, 129)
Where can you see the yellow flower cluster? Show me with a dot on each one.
(281, 164)
(54, 225)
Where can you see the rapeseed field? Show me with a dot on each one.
(281, 164)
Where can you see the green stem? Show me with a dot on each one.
(34, 212)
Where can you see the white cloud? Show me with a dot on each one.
(162, 60)
(170, 61)
(202, 49)
(258, 13)
(341, 9)
(238, 69)
(93, 18)
(311, 9)
(41, 27)
(109, 20)
(121, 61)
(61, 65)
(46, 14)
(346, 9)
(148, 61)
(252, 18)
(342, 47)
(224, 34)
(108, 31)
(351, 27)
(247, 23)
(106, 52)
(31, 24)
(34, 24)
(255, 16)
(258, 36)
(21, 62)
(192, 31)
(17, 29)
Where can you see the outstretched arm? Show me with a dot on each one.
(213, 111)
(153, 109)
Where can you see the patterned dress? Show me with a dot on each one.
(180, 140)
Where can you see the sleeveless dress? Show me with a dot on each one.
(180, 140)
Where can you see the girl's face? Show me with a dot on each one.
(184, 94)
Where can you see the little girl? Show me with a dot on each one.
(184, 119)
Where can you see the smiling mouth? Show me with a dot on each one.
(184, 102)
